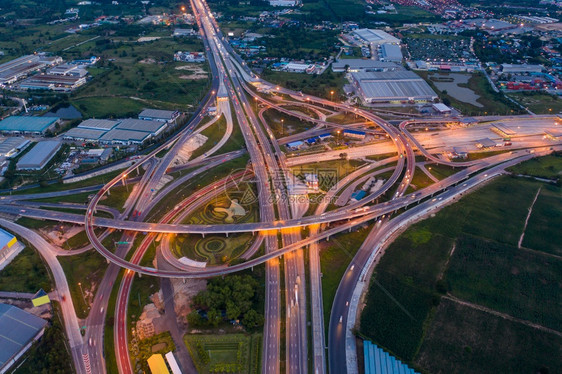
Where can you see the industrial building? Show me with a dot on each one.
(391, 53)
(154, 128)
(124, 131)
(17, 125)
(20, 67)
(158, 115)
(354, 65)
(441, 108)
(52, 82)
(98, 124)
(124, 137)
(39, 156)
(11, 147)
(521, 68)
(391, 86)
(19, 329)
(84, 135)
(374, 37)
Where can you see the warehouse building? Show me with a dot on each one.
(354, 65)
(19, 329)
(11, 147)
(124, 137)
(17, 125)
(159, 115)
(390, 53)
(39, 156)
(84, 135)
(98, 124)
(11, 71)
(391, 86)
(60, 83)
(521, 68)
(154, 128)
(374, 37)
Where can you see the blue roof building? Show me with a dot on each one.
(18, 330)
(377, 361)
(295, 145)
(27, 125)
(358, 195)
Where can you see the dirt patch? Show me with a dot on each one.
(158, 347)
(196, 71)
(194, 76)
(147, 61)
(184, 292)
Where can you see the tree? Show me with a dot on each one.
(252, 319)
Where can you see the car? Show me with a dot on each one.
(101, 309)
(341, 319)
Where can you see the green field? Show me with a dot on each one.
(218, 249)
(419, 181)
(230, 353)
(316, 85)
(469, 251)
(441, 171)
(335, 256)
(543, 167)
(87, 269)
(26, 273)
(284, 125)
(538, 103)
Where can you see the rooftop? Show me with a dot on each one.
(17, 329)
(393, 85)
(39, 155)
(357, 63)
(82, 133)
(140, 125)
(376, 36)
(10, 144)
(157, 113)
(98, 124)
(125, 136)
(27, 123)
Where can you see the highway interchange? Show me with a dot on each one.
(281, 219)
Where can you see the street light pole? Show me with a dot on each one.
(82, 292)
(282, 126)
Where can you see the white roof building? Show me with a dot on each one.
(376, 37)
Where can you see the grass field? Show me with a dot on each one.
(230, 353)
(87, 269)
(441, 171)
(546, 215)
(284, 125)
(335, 256)
(419, 181)
(543, 167)
(26, 273)
(317, 85)
(479, 342)
(469, 250)
(217, 249)
(538, 103)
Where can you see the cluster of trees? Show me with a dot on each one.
(301, 43)
(234, 297)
